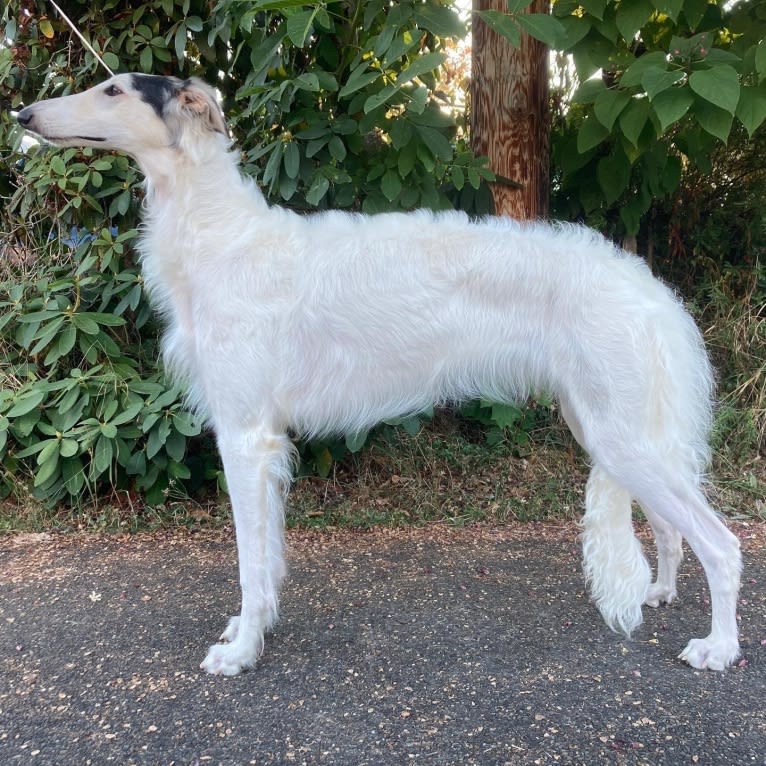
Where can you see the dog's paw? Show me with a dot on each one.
(231, 630)
(659, 594)
(706, 653)
(228, 660)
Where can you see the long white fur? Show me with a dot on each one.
(329, 323)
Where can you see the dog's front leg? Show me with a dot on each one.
(257, 466)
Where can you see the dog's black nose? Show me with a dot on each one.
(24, 117)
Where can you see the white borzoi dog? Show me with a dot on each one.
(330, 323)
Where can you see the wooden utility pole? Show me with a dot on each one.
(509, 113)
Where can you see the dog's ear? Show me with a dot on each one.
(198, 98)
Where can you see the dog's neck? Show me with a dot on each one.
(181, 189)
(176, 177)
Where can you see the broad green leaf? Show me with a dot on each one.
(505, 415)
(401, 46)
(355, 442)
(33, 449)
(26, 403)
(317, 130)
(671, 7)
(574, 29)
(439, 20)
(458, 177)
(51, 447)
(360, 78)
(317, 190)
(633, 119)
(591, 134)
(110, 320)
(277, 5)
(103, 454)
(145, 59)
(47, 470)
(633, 211)
(58, 166)
(292, 159)
(323, 463)
(73, 475)
(671, 175)
(391, 185)
(713, 119)
(715, 56)
(694, 11)
(175, 446)
(63, 345)
(10, 29)
(631, 16)
(503, 24)
(69, 447)
(751, 109)
(85, 323)
(760, 58)
(514, 6)
(421, 65)
(608, 106)
(383, 40)
(46, 29)
(337, 148)
(299, 26)
(307, 81)
(671, 105)
(271, 171)
(316, 145)
(179, 41)
(633, 74)
(184, 424)
(543, 27)
(656, 79)
(613, 174)
(136, 464)
(595, 7)
(437, 142)
(418, 100)
(410, 424)
(719, 86)
(380, 98)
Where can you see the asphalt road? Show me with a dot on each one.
(434, 646)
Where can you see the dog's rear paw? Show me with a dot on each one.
(706, 653)
(231, 630)
(228, 659)
(659, 594)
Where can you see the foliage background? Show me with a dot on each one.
(354, 105)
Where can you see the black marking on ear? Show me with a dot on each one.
(155, 90)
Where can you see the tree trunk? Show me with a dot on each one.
(509, 114)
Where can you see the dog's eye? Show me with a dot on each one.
(112, 90)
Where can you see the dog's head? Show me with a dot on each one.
(133, 113)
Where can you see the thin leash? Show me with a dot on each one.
(82, 38)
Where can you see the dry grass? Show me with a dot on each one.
(446, 475)
(736, 334)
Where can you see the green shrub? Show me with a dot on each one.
(332, 104)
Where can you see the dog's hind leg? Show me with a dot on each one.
(615, 567)
(680, 503)
(669, 556)
(614, 564)
(257, 467)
